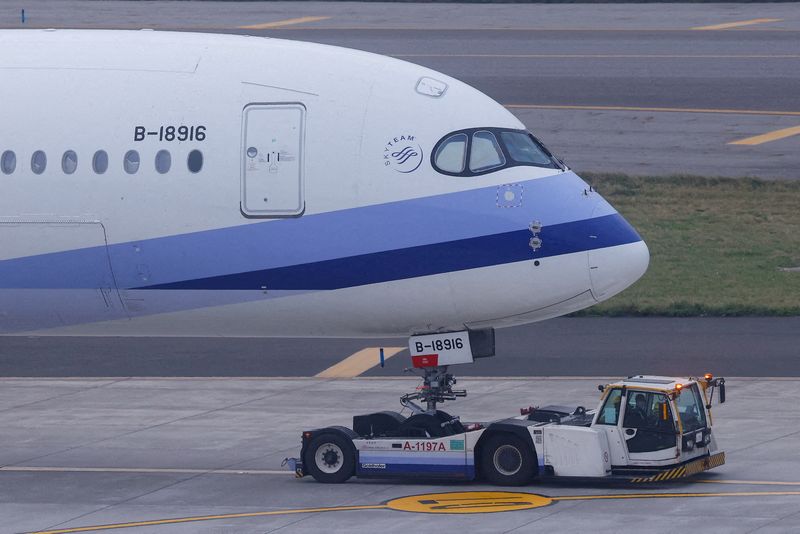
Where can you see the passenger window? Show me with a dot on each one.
(523, 149)
(610, 412)
(8, 162)
(485, 152)
(69, 162)
(451, 154)
(38, 162)
(195, 161)
(131, 162)
(100, 162)
(163, 161)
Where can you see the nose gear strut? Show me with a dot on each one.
(437, 386)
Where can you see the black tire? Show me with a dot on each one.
(330, 458)
(506, 460)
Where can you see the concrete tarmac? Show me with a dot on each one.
(204, 456)
(636, 88)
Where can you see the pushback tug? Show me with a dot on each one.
(644, 429)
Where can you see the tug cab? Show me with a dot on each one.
(653, 421)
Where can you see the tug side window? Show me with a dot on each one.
(609, 415)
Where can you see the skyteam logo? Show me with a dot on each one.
(403, 154)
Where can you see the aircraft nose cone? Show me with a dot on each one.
(613, 269)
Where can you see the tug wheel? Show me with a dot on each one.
(506, 460)
(330, 458)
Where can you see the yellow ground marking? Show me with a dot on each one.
(656, 110)
(748, 482)
(738, 24)
(673, 495)
(282, 23)
(175, 520)
(609, 56)
(469, 502)
(450, 503)
(767, 137)
(156, 470)
(358, 363)
(480, 29)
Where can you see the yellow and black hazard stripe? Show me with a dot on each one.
(686, 470)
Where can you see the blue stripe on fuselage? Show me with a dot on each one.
(362, 245)
(426, 260)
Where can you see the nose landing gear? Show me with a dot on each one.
(437, 386)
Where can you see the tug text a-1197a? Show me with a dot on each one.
(645, 428)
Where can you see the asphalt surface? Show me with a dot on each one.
(203, 456)
(571, 72)
(558, 347)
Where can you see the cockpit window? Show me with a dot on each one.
(489, 150)
(485, 153)
(522, 149)
(452, 154)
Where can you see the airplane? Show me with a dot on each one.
(164, 183)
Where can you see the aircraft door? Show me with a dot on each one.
(648, 426)
(272, 160)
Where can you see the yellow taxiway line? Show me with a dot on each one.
(767, 137)
(623, 496)
(738, 24)
(358, 363)
(656, 110)
(503, 501)
(748, 482)
(175, 520)
(499, 29)
(606, 56)
(282, 23)
(155, 470)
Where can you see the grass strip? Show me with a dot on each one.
(718, 246)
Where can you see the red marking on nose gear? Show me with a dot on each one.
(425, 360)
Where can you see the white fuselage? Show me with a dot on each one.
(204, 230)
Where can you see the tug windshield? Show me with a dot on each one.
(488, 150)
(690, 408)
